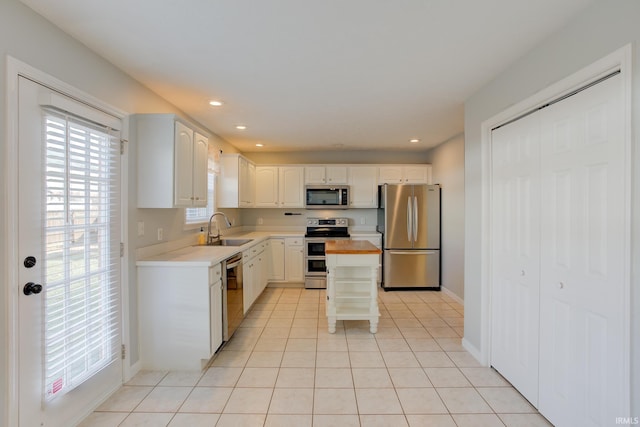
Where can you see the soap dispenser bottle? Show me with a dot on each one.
(201, 237)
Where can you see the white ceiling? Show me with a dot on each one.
(315, 75)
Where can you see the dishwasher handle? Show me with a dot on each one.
(233, 262)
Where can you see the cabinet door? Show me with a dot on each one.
(390, 175)
(363, 186)
(418, 174)
(336, 175)
(215, 314)
(247, 284)
(294, 260)
(247, 185)
(314, 175)
(266, 187)
(200, 170)
(291, 191)
(277, 260)
(251, 185)
(261, 273)
(183, 158)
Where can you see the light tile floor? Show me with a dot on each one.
(282, 368)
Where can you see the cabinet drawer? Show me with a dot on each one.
(293, 241)
(215, 274)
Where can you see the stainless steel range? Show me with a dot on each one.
(319, 230)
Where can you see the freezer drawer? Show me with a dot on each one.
(411, 268)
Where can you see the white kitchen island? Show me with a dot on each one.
(352, 291)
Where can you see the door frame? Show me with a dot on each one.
(15, 69)
(621, 59)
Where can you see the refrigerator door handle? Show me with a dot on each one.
(415, 218)
(409, 219)
(411, 252)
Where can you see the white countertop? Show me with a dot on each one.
(207, 256)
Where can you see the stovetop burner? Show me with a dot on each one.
(327, 227)
(327, 233)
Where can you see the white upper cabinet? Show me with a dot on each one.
(363, 187)
(235, 187)
(315, 175)
(291, 189)
(320, 174)
(172, 162)
(279, 187)
(404, 174)
(200, 169)
(266, 187)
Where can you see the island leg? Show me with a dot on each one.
(332, 324)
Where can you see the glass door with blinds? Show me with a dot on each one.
(69, 230)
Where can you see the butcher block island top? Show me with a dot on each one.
(350, 247)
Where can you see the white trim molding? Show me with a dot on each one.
(620, 59)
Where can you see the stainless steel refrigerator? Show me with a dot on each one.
(409, 219)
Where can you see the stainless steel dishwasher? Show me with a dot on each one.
(232, 310)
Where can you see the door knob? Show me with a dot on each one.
(560, 285)
(32, 288)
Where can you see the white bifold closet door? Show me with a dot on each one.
(558, 235)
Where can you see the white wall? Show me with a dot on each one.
(447, 160)
(29, 38)
(598, 31)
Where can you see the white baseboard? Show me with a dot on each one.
(473, 351)
(132, 371)
(452, 295)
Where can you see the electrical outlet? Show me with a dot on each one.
(363, 220)
(160, 233)
(260, 221)
(140, 228)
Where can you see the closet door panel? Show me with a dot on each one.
(582, 258)
(515, 254)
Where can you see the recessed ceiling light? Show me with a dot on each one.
(259, 145)
(241, 127)
(414, 141)
(215, 103)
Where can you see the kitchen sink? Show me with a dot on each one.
(231, 242)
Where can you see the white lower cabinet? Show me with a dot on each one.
(255, 267)
(180, 316)
(294, 260)
(276, 270)
(287, 260)
(215, 310)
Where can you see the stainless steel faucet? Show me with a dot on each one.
(211, 239)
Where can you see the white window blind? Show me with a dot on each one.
(81, 250)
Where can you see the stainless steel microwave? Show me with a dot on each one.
(326, 196)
